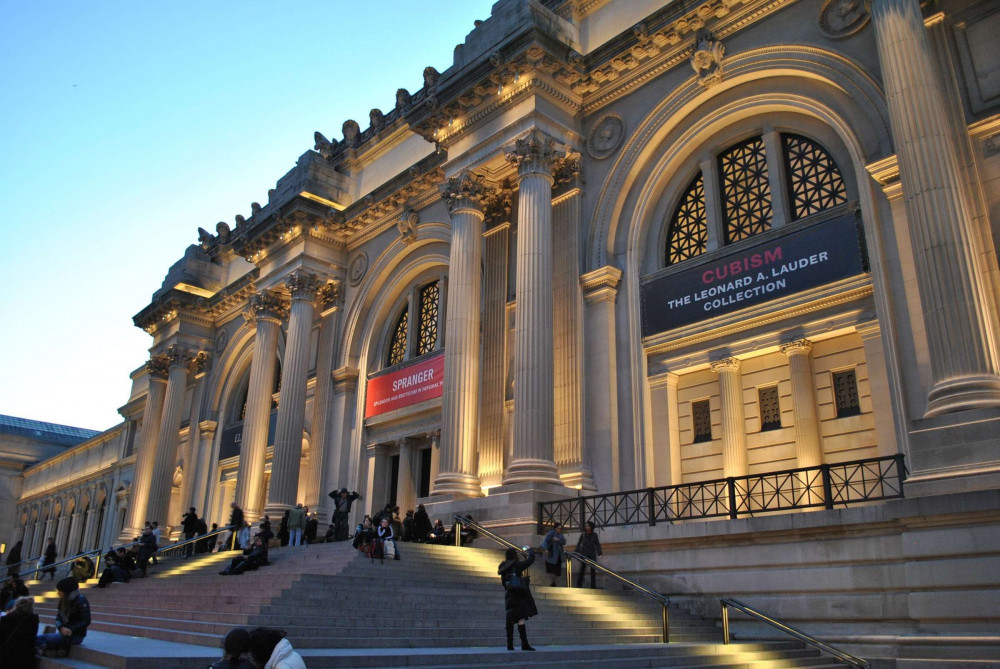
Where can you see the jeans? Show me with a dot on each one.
(295, 536)
(57, 641)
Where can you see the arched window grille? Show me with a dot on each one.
(427, 336)
(688, 234)
(746, 193)
(812, 183)
(397, 345)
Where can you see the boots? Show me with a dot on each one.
(510, 636)
(523, 631)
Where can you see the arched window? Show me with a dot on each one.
(812, 183)
(688, 234)
(404, 343)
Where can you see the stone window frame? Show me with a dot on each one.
(846, 409)
(409, 307)
(767, 408)
(703, 437)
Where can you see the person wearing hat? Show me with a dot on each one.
(72, 618)
(342, 509)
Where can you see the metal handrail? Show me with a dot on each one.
(200, 537)
(787, 629)
(659, 598)
(469, 522)
(662, 599)
(94, 551)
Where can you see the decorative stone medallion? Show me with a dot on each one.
(221, 341)
(357, 268)
(605, 136)
(842, 18)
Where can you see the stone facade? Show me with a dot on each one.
(655, 243)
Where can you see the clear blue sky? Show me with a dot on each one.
(129, 124)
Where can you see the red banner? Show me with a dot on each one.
(412, 384)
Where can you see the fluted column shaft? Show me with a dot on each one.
(734, 440)
(460, 400)
(534, 422)
(195, 472)
(330, 300)
(89, 542)
(62, 527)
(202, 462)
(406, 490)
(162, 479)
(157, 369)
(961, 333)
(808, 449)
(36, 541)
(492, 435)
(73, 541)
(284, 489)
(266, 309)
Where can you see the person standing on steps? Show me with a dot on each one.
(554, 552)
(296, 523)
(50, 557)
(421, 524)
(589, 546)
(189, 523)
(518, 602)
(156, 538)
(341, 513)
(235, 525)
(14, 558)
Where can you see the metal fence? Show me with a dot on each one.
(826, 486)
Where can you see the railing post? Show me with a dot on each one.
(569, 572)
(97, 565)
(583, 512)
(725, 623)
(827, 486)
(541, 525)
(731, 486)
(900, 471)
(666, 625)
(650, 507)
(458, 533)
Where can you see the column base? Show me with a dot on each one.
(274, 510)
(580, 479)
(530, 470)
(456, 485)
(963, 393)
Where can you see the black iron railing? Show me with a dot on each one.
(826, 486)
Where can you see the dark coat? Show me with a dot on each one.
(589, 545)
(74, 613)
(236, 519)
(189, 522)
(421, 525)
(50, 553)
(14, 556)
(17, 639)
(518, 602)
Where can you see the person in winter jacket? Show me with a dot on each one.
(14, 558)
(296, 524)
(189, 524)
(269, 649)
(17, 633)
(72, 618)
(235, 525)
(342, 502)
(589, 546)
(518, 602)
(385, 533)
(554, 552)
(234, 647)
(50, 557)
(421, 524)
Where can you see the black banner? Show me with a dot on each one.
(232, 437)
(785, 265)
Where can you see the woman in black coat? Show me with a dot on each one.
(421, 524)
(50, 557)
(13, 558)
(18, 630)
(518, 602)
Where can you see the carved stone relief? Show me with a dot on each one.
(605, 137)
(357, 269)
(842, 18)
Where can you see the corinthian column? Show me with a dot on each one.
(162, 479)
(156, 370)
(734, 439)
(266, 310)
(331, 298)
(533, 369)
(460, 400)
(959, 316)
(808, 451)
(291, 411)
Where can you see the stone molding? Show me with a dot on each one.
(798, 346)
(726, 364)
(601, 283)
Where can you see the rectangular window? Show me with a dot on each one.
(845, 392)
(770, 410)
(702, 417)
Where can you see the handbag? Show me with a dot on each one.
(517, 583)
(390, 548)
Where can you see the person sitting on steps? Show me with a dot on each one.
(72, 619)
(234, 647)
(253, 557)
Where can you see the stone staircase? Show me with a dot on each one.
(440, 606)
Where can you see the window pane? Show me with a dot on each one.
(702, 416)
(427, 337)
(397, 346)
(770, 410)
(746, 195)
(845, 391)
(814, 180)
(688, 233)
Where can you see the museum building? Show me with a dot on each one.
(620, 255)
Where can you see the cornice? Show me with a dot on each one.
(600, 279)
(886, 173)
(392, 195)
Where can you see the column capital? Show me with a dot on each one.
(158, 367)
(345, 379)
(798, 346)
(207, 428)
(201, 362)
(464, 192)
(497, 204)
(178, 356)
(567, 174)
(266, 305)
(726, 364)
(331, 295)
(602, 283)
(533, 154)
(302, 284)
